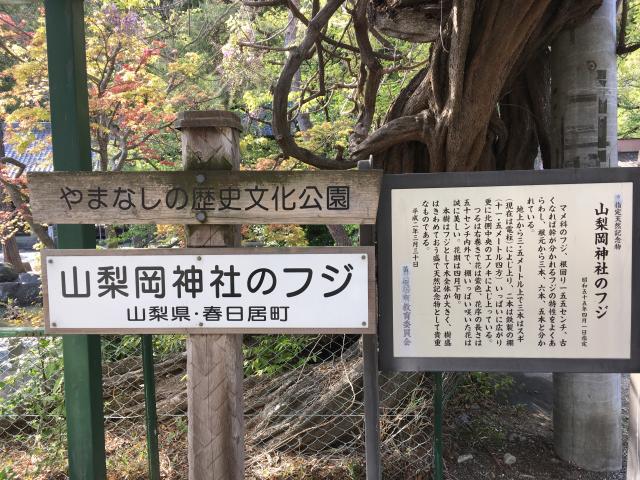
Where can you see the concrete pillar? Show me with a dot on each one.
(587, 407)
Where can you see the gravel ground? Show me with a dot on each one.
(520, 425)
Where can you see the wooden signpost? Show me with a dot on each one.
(214, 294)
(201, 196)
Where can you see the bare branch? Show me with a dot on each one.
(623, 50)
(259, 46)
(264, 3)
(296, 12)
(370, 71)
(623, 19)
(281, 125)
(12, 161)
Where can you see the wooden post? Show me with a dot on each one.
(210, 141)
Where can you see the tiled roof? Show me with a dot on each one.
(37, 157)
(628, 158)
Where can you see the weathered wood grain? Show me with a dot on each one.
(214, 362)
(300, 197)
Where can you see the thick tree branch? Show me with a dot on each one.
(338, 44)
(371, 74)
(281, 125)
(400, 130)
(622, 23)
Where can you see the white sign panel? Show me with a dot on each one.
(253, 290)
(513, 271)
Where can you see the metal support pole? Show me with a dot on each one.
(151, 415)
(370, 377)
(72, 152)
(438, 399)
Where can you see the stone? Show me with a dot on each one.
(28, 294)
(28, 278)
(8, 290)
(465, 458)
(7, 273)
(509, 459)
(22, 294)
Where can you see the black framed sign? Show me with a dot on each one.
(510, 271)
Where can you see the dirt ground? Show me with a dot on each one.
(517, 422)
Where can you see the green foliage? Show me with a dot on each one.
(124, 346)
(629, 78)
(270, 354)
(481, 385)
(253, 149)
(35, 392)
(275, 235)
(7, 473)
(629, 95)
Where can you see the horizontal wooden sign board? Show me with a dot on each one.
(225, 290)
(318, 197)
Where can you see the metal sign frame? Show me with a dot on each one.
(388, 362)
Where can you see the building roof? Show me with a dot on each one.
(37, 156)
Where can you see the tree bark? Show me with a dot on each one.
(12, 254)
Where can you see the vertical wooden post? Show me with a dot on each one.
(210, 141)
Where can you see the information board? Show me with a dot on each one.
(251, 290)
(487, 268)
(221, 197)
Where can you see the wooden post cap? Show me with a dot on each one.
(207, 118)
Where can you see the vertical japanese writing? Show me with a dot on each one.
(520, 285)
(425, 226)
(406, 304)
(505, 270)
(552, 236)
(564, 272)
(415, 236)
(437, 286)
(477, 276)
(487, 264)
(601, 253)
(498, 269)
(468, 279)
(617, 226)
(542, 273)
(509, 235)
(446, 273)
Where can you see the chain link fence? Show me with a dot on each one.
(304, 409)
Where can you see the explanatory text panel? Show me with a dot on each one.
(538, 271)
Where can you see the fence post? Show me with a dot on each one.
(370, 377)
(151, 416)
(72, 152)
(210, 141)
